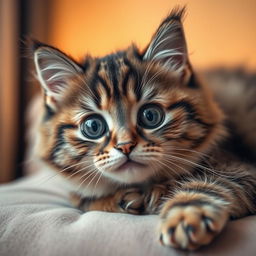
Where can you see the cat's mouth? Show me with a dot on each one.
(130, 165)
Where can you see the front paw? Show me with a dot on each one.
(131, 201)
(137, 201)
(154, 198)
(190, 224)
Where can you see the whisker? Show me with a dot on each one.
(79, 171)
(168, 161)
(57, 173)
(215, 172)
(205, 160)
(97, 183)
(97, 173)
(168, 168)
(92, 172)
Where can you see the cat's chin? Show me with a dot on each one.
(130, 166)
(130, 172)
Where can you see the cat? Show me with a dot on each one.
(138, 132)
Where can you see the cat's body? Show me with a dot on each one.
(139, 133)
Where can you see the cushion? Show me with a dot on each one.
(36, 218)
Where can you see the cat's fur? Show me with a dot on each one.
(182, 168)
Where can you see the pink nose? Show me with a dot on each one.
(126, 147)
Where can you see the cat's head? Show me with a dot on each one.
(128, 116)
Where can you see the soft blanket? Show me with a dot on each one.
(36, 218)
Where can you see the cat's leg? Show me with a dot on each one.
(128, 200)
(194, 215)
(199, 209)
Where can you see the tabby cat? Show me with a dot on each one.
(139, 133)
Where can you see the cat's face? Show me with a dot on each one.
(128, 116)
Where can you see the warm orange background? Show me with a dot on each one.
(218, 32)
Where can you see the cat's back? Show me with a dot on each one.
(235, 91)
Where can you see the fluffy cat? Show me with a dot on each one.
(139, 133)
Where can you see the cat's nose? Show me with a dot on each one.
(125, 147)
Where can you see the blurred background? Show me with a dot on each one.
(219, 33)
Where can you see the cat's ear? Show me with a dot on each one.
(53, 70)
(168, 45)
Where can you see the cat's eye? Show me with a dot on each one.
(94, 127)
(150, 116)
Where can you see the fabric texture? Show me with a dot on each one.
(36, 218)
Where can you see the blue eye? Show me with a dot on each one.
(150, 116)
(94, 127)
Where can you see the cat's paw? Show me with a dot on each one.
(189, 225)
(154, 197)
(131, 200)
(137, 201)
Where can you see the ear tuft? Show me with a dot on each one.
(168, 45)
(177, 13)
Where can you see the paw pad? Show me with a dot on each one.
(190, 227)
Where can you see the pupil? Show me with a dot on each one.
(150, 116)
(94, 126)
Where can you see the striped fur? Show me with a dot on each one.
(181, 168)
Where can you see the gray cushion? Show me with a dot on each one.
(36, 218)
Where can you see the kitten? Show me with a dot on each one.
(139, 133)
